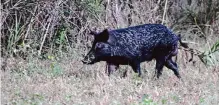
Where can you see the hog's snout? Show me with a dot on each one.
(89, 59)
(84, 61)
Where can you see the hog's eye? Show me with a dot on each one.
(98, 48)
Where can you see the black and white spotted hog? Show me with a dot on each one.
(133, 45)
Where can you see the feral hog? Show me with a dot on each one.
(133, 45)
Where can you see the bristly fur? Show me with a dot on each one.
(133, 45)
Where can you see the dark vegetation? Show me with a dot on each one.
(39, 28)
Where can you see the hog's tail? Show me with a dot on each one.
(185, 45)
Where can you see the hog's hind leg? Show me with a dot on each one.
(173, 66)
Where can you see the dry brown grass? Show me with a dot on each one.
(52, 37)
(37, 82)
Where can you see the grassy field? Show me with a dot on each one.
(68, 81)
(44, 41)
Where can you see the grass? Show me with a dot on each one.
(68, 81)
(42, 44)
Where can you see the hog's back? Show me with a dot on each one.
(142, 40)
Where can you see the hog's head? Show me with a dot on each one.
(100, 48)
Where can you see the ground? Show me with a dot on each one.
(68, 81)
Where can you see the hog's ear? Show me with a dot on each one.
(105, 35)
